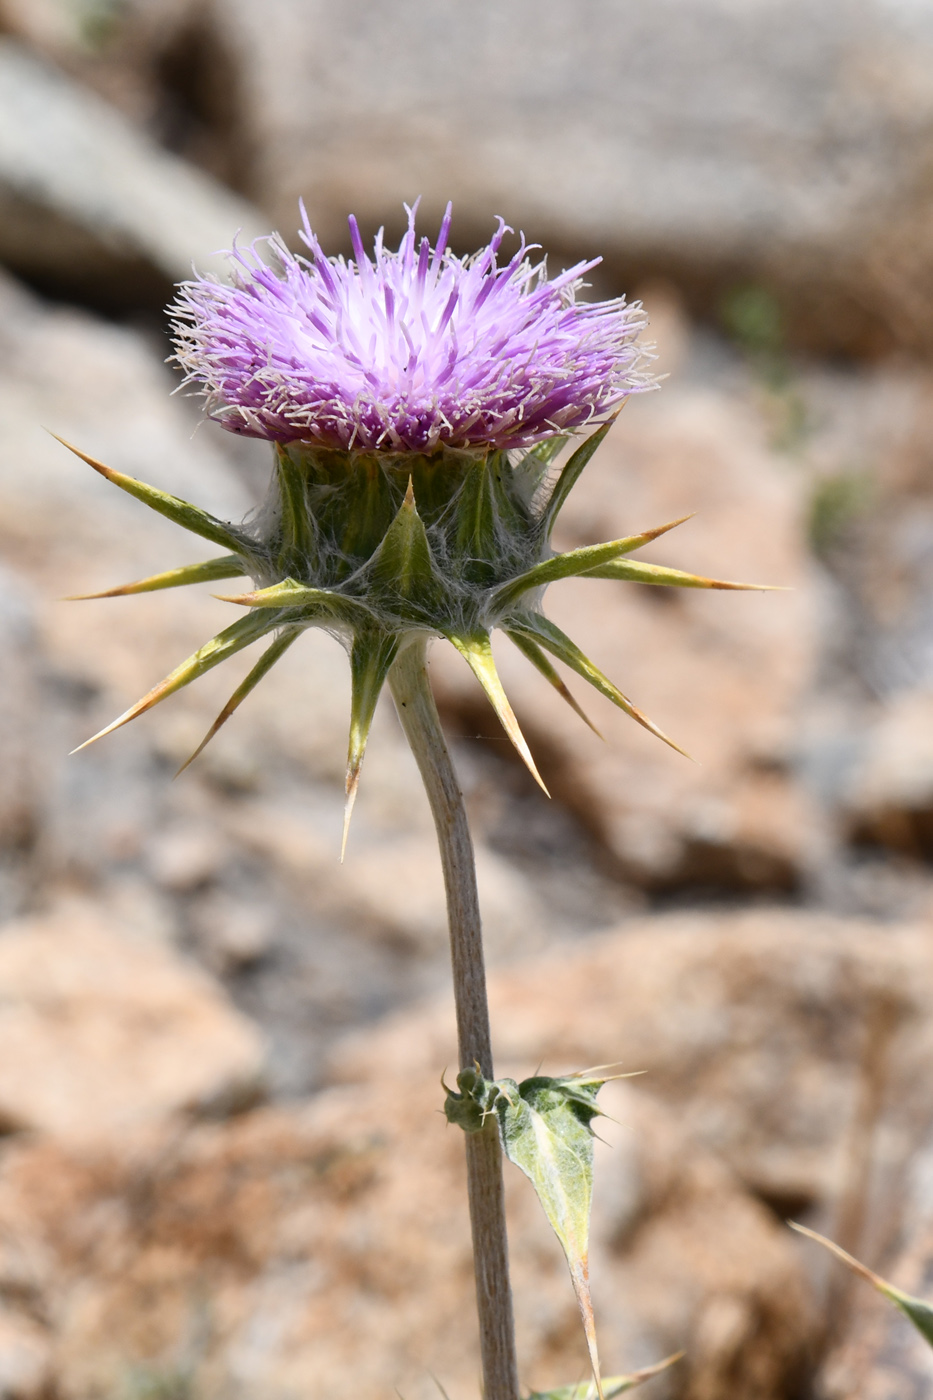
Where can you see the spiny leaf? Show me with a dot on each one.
(299, 546)
(233, 639)
(199, 522)
(403, 561)
(227, 566)
(612, 1385)
(265, 663)
(289, 593)
(574, 562)
(478, 654)
(371, 658)
(570, 475)
(545, 1126)
(474, 1103)
(538, 659)
(541, 629)
(919, 1312)
(633, 571)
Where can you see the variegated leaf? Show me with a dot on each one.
(320, 602)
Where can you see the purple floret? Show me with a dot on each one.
(409, 350)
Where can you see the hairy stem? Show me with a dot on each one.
(417, 712)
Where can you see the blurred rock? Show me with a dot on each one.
(19, 741)
(766, 1031)
(390, 885)
(101, 1034)
(723, 673)
(780, 141)
(90, 208)
(163, 63)
(869, 450)
(255, 1254)
(185, 858)
(865, 742)
(890, 801)
(104, 388)
(25, 1357)
(233, 934)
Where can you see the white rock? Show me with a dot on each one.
(25, 1357)
(90, 204)
(716, 140)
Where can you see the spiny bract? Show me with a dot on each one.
(416, 407)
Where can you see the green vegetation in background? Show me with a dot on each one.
(156, 1382)
(836, 503)
(95, 22)
(751, 316)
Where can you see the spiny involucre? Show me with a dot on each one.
(417, 402)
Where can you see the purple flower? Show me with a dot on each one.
(409, 350)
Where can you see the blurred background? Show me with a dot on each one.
(222, 1169)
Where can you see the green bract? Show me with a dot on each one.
(917, 1310)
(380, 547)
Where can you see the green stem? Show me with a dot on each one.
(417, 712)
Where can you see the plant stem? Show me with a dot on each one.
(417, 712)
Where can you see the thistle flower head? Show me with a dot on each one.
(417, 402)
(407, 350)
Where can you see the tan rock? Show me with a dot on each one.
(93, 208)
(752, 1026)
(327, 1244)
(65, 530)
(25, 1357)
(778, 142)
(233, 934)
(890, 797)
(19, 766)
(101, 1034)
(390, 885)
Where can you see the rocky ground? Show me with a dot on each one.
(222, 1169)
